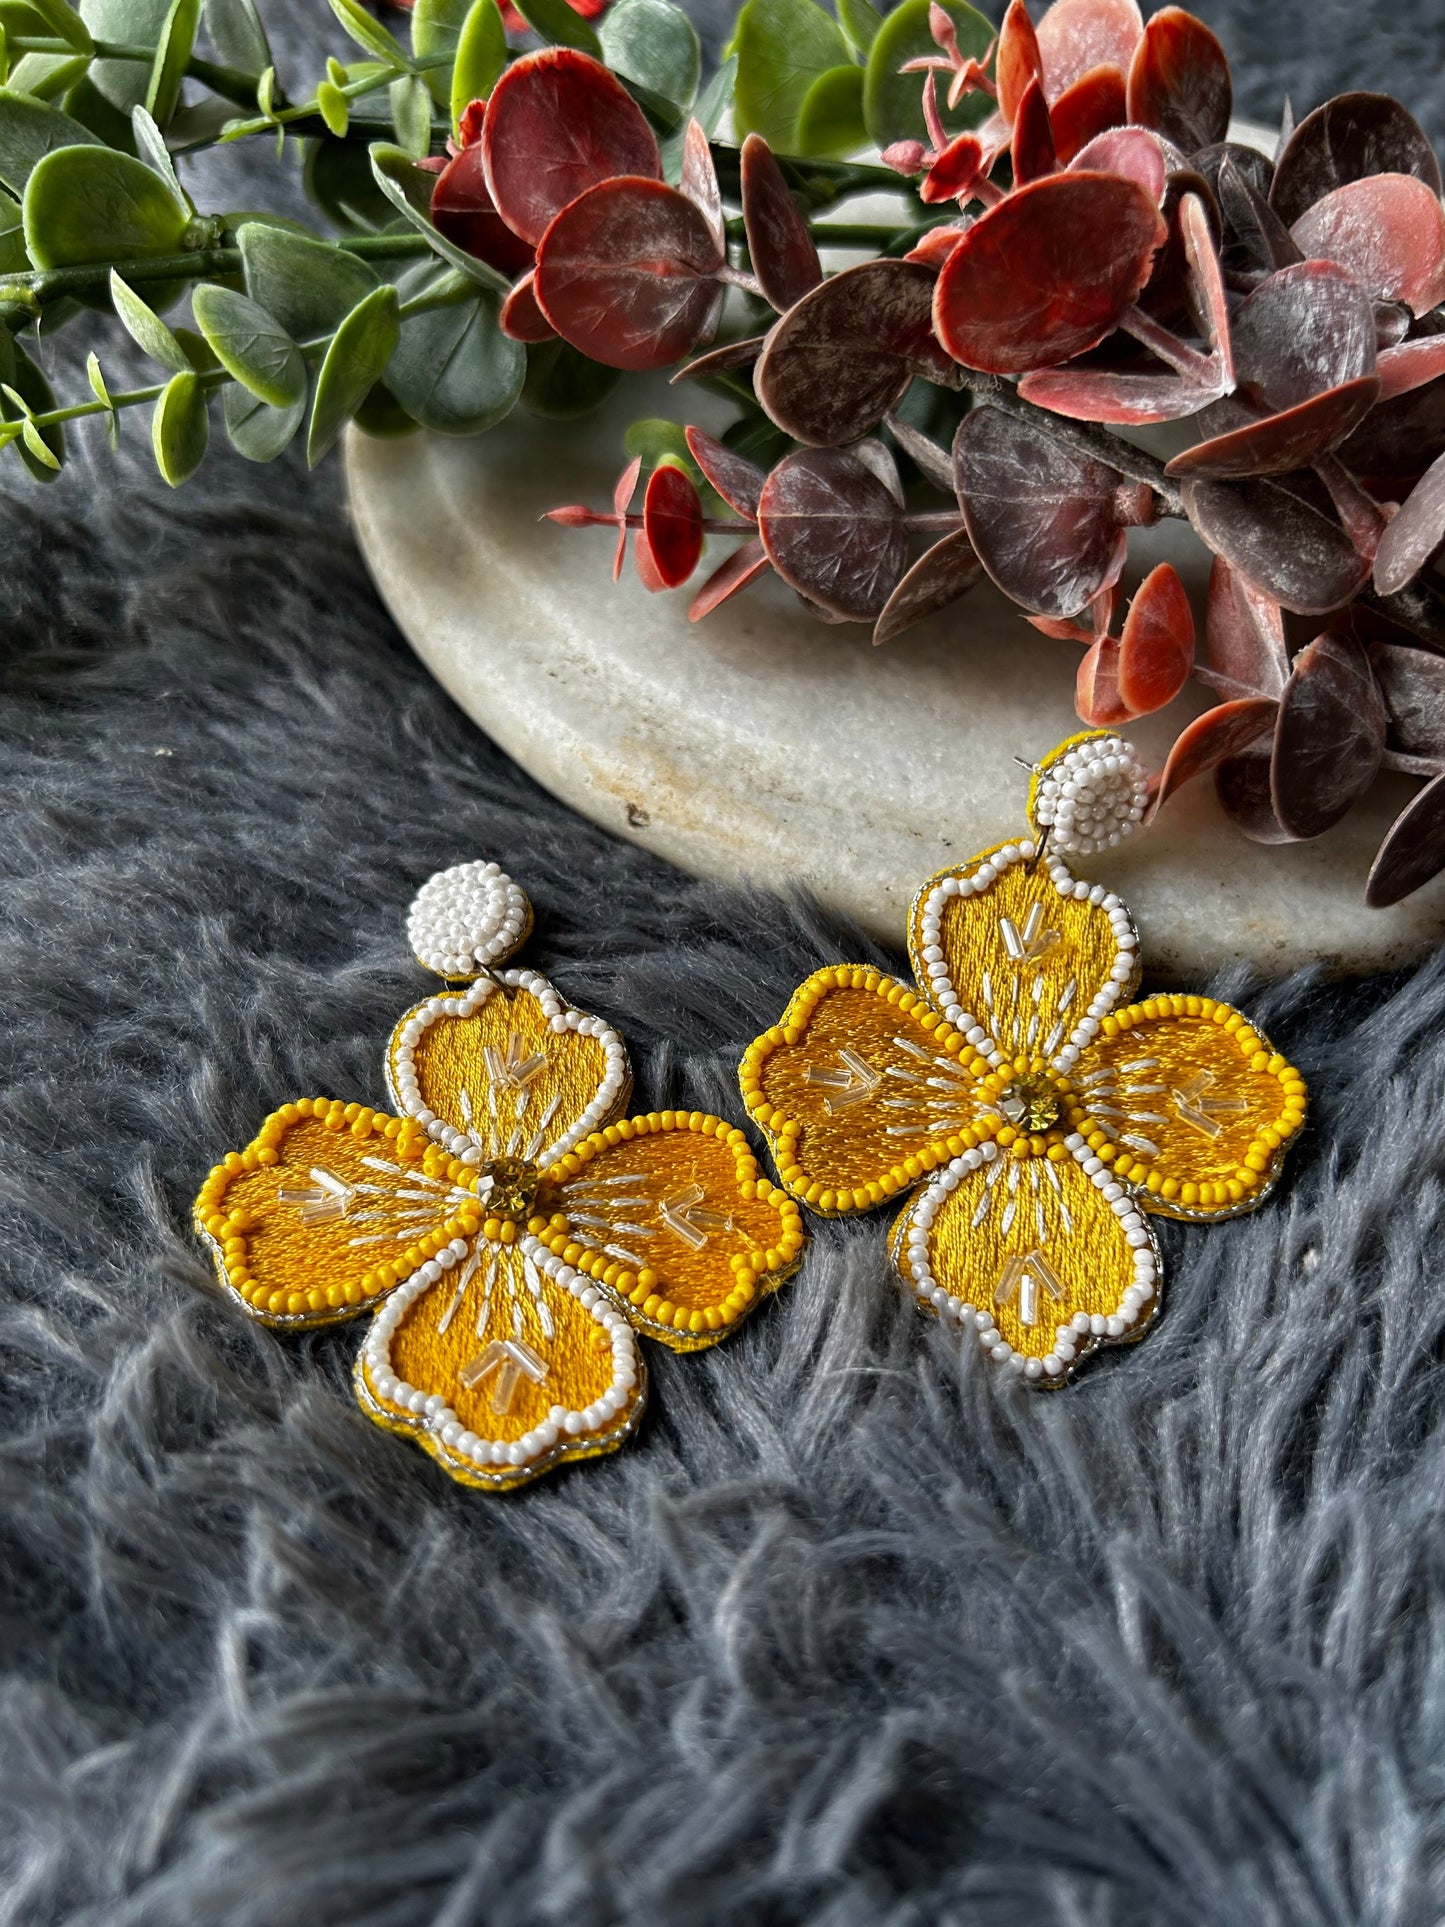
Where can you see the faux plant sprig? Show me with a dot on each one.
(1079, 251)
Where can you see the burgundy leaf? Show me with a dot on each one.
(1090, 396)
(1044, 520)
(932, 461)
(1033, 138)
(1389, 231)
(1410, 365)
(1227, 731)
(1280, 443)
(1414, 534)
(1248, 161)
(1096, 686)
(672, 523)
(836, 363)
(1348, 139)
(1076, 36)
(520, 316)
(1413, 850)
(1047, 273)
(1086, 110)
(1399, 439)
(626, 273)
(781, 248)
(1284, 546)
(737, 480)
(743, 566)
(732, 354)
(1330, 736)
(1242, 786)
(1019, 60)
(877, 457)
(1131, 151)
(1244, 634)
(1303, 330)
(1207, 298)
(1412, 688)
(1179, 81)
(463, 212)
(1169, 292)
(1253, 222)
(558, 123)
(833, 532)
(699, 180)
(940, 576)
(1156, 648)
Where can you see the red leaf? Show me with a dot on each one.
(1413, 850)
(1077, 35)
(737, 480)
(1131, 151)
(934, 248)
(1227, 731)
(1242, 786)
(520, 317)
(558, 123)
(1244, 634)
(1389, 231)
(1330, 736)
(1348, 139)
(1414, 534)
(955, 173)
(833, 532)
(672, 523)
(1179, 81)
(463, 212)
(648, 573)
(621, 500)
(1284, 546)
(1033, 139)
(1096, 686)
(836, 363)
(743, 566)
(1019, 60)
(1044, 520)
(781, 248)
(1207, 297)
(1294, 438)
(940, 576)
(1047, 273)
(699, 180)
(1156, 648)
(1412, 688)
(626, 273)
(1410, 365)
(1092, 105)
(1088, 396)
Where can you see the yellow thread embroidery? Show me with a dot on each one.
(511, 1233)
(1038, 1116)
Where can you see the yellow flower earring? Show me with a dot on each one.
(1042, 1117)
(511, 1232)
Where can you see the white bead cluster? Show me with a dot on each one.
(464, 919)
(470, 1146)
(613, 1415)
(1085, 1330)
(934, 964)
(1093, 796)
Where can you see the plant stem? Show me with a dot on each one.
(232, 83)
(1096, 444)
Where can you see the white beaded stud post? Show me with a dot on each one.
(1091, 797)
(466, 919)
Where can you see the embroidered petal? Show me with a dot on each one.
(1190, 1105)
(507, 1068)
(1019, 956)
(496, 1362)
(327, 1208)
(670, 1213)
(862, 1090)
(1029, 1255)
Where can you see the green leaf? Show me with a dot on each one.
(180, 429)
(65, 23)
(38, 447)
(335, 108)
(359, 352)
(97, 380)
(893, 101)
(150, 147)
(370, 35)
(481, 56)
(409, 189)
(562, 384)
(555, 21)
(831, 121)
(860, 21)
(237, 35)
(86, 204)
(782, 47)
(47, 76)
(250, 345)
(266, 93)
(13, 258)
(340, 182)
(654, 44)
(454, 370)
(411, 115)
(26, 391)
(173, 50)
(308, 286)
(135, 23)
(257, 431)
(146, 329)
(436, 31)
(708, 109)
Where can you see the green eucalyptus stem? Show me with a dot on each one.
(232, 83)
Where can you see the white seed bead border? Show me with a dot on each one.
(465, 1145)
(609, 1420)
(1085, 1332)
(466, 918)
(933, 965)
(1093, 797)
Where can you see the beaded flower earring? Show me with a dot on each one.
(1039, 1118)
(511, 1231)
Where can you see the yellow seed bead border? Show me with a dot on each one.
(1258, 1171)
(638, 1294)
(303, 1307)
(783, 1132)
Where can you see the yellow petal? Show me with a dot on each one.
(327, 1208)
(1031, 1257)
(671, 1215)
(502, 1364)
(507, 1069)
(1189, 1104)
(862, 1090)
(1020, 957)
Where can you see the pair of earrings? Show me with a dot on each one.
(512, 1232)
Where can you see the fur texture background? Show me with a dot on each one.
(854, 1632)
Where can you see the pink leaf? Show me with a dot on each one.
(833, 532)
(1131, 151)
(1019, 60)
(621, 500)
(1330, 736)
(1096, 686)
(781, 248)
(1292, 439)
(743, 566)
(1231, 729)
(1410, 365)
(737, 480)
(1179, 81)
(1389, 231)
(1132, 400)
(699, 180)
(1413, 535)
(1244, 632)
(1077, 35)
(1156, 648)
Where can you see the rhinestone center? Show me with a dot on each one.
(512, 1190)
(1032, 1103)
